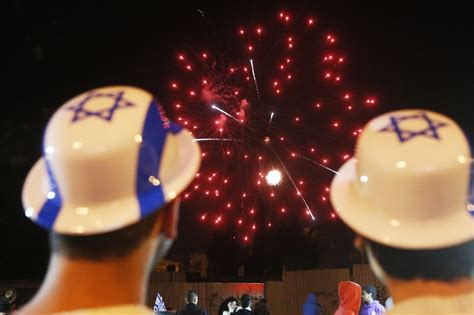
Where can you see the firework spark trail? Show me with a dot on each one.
(296, 187)
(254, 78)
(318, 164)
(271, 119)
(216, 139)
(224, 112)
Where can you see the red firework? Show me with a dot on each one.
(275, 100)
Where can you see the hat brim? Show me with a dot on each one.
(367, 221)
(100, 218)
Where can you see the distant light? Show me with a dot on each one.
(273, 177)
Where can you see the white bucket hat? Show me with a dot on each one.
(407, 186)
(111, 157)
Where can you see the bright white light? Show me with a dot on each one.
(364, 178)
(49, 149)
(29, 212)
(273, 177)
(51, 195)
(401, 164)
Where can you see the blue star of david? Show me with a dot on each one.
(404, 135)
(81, 112)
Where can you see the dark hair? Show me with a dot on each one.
(223, 307)
(245, 300)
(444, 264)
(104, 246)
(190, 296)
(371, 289)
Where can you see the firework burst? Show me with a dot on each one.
(274, 116)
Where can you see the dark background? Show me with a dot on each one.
(412, 54)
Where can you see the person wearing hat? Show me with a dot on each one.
(107, 189)
(404, 194)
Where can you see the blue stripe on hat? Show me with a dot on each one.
(50, 210)
(154, 134)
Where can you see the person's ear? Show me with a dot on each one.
(167, 222)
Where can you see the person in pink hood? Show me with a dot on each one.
(349, 298)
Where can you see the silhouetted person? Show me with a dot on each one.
(245, 305)
(311, 305)
(191, 307)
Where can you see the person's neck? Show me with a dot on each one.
(408, 289)
(72, 284)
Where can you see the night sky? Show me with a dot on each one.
(410, 54)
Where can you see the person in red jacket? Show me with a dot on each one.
(349, 298)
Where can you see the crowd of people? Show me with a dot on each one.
(353, 300)
(109, 184)
(230, 305)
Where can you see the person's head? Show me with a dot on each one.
(245, 301)
(231, 304)
(349, 295)
(311, 298)
(109, 182)
(191, 297)
(369, 294)
(228, 305)
(405, 194)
